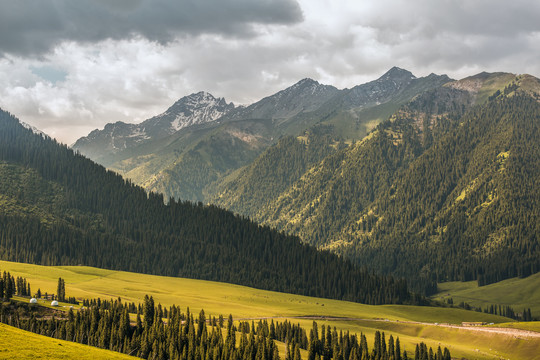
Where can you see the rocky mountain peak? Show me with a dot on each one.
(194, 109)
(306, 82)
(381, 90)
(397, 74)
(303, 87)
(305, 95)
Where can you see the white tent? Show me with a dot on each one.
(54, 303)
(33, 301)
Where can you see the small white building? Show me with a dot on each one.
(54, 303)
(33, 301)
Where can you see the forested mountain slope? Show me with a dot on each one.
(57, 207)
(258, 185)
(447, 189)
(195, 162)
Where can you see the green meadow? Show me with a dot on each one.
(518, 293)
(20, 344)
(411, 323)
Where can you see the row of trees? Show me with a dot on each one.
(497, 309)
(181, 336)
(344, 346)
(9, 286)
(509, 312)
(184, 336)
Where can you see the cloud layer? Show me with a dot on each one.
(33, 27)
(68, 67)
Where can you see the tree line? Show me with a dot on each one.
(9, 286)
(498, 309)
(184, 336)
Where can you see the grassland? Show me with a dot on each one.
(518, 293)
(493, 84)
(220, 298)
(529, 325)
(412, 324)
(20, 344)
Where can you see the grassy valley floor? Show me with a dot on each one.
(411, 323)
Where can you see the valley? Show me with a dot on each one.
(371, 209)
(411, 323)
(269, 180)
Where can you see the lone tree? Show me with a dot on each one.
(61, 290)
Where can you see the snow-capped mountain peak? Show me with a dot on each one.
(194, 109)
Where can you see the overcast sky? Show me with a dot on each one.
(71, 66)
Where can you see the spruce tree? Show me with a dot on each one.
(397, 352)
(148, 311)
(391, 349)
(61, 290)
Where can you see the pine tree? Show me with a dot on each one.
(10, 286)
(148, 311)
(61, 290)
(376, 352)
(391, 349)
(397, 352)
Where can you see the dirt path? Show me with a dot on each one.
(516, 333)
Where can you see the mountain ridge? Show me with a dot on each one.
(193, 162)
(194, 109)
(338, 203)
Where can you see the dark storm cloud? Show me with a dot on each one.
(35, 26)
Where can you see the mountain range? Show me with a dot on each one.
(445, 189)
(195, 109)
(191, 162)
(59, 208)
(431, 179)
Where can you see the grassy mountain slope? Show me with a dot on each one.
(221, 298)
(447, 188)
(411, 324)
(20, 344)
(518, 293)
(58, 207)
(196, 169)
